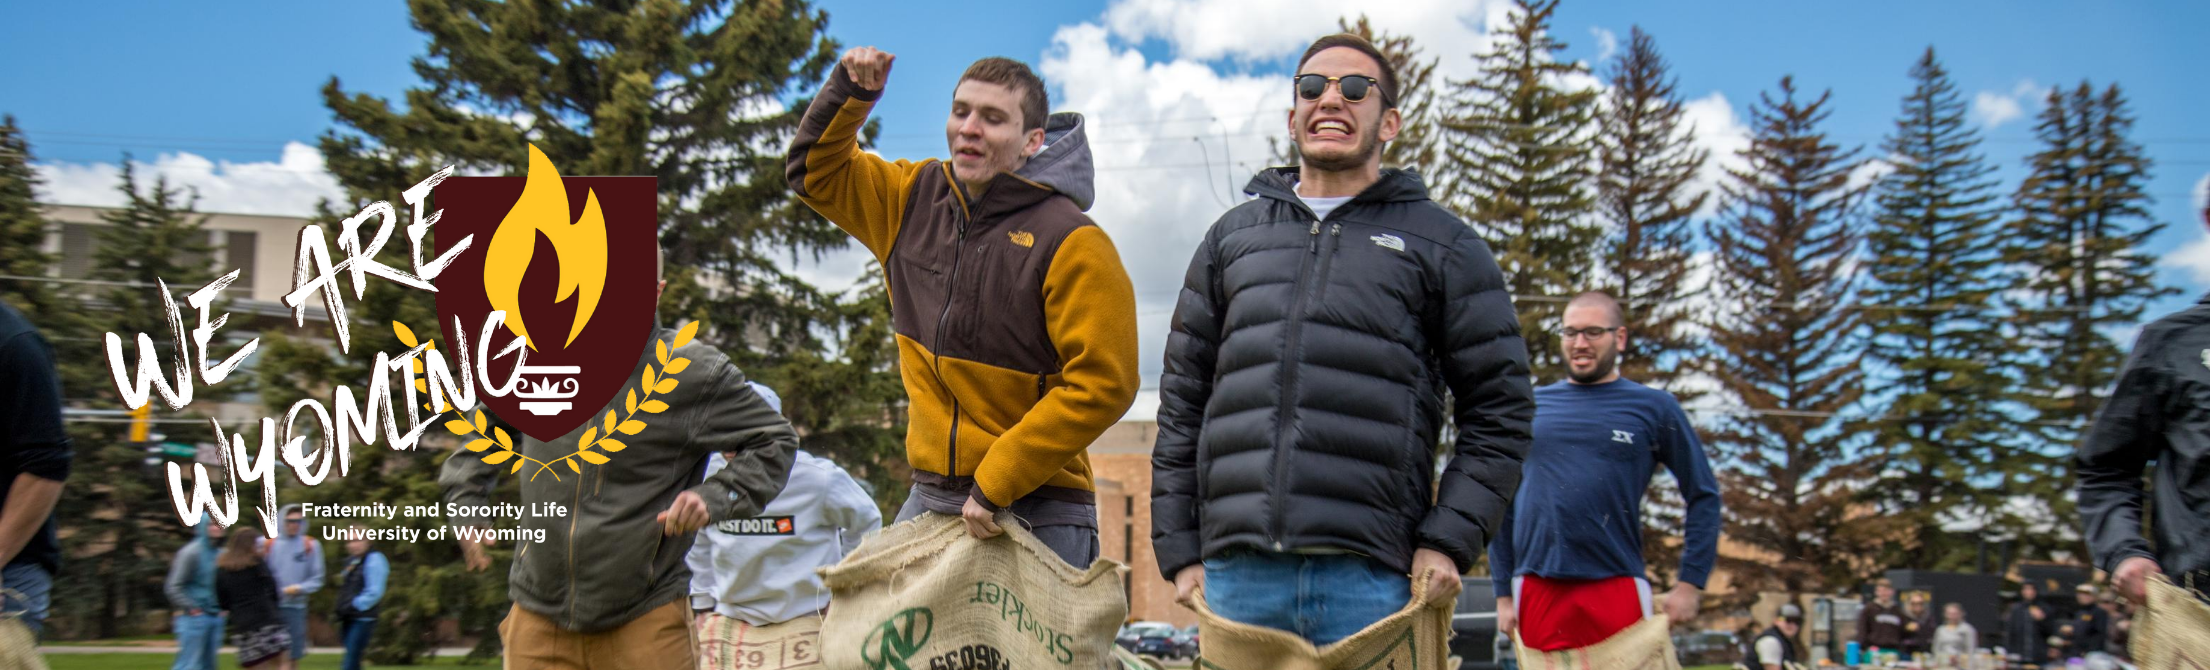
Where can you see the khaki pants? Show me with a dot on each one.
(660, 640)
(732, 644)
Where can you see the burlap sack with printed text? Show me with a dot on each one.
(923, 595)
(1646, 645)
(2172, 632)
(726, 643)
(1415, 638)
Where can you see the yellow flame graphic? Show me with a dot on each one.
(580, 247)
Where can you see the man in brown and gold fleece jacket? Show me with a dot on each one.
(1015, 322)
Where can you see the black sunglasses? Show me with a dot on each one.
(1355, 87)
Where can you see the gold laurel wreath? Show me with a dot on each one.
(652, 383)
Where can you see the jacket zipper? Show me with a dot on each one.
(951, 290)
(1289, 376)
(1327, 261)
(1039, 387)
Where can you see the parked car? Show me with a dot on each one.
(1158, 642)
(1186, 642)
(1711, 647)
(1128, 660)
(1473, 626)
(1130, 633)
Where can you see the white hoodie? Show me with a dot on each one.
(761, 569)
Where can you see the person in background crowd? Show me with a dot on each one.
(360, 596)
(245, 589)
(1571, 545)
(1954, 638)
(34, 460)
(2144, 421)
(1880, 623)
(2026, 627)
(1919, 623)
(2090, 625)
(760, 571)
(1319, 327)
(1775, 649)
(191, 591)
(2121, 626)
(296, 560)
(1015, 319)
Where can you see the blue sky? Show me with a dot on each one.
(1174, 88)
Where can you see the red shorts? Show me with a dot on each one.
(1559, 614)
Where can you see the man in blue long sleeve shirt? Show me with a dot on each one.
(1568, 560)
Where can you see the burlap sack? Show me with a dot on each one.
(923, 595)
(731, 644)
(1415, 638)
(2172, 632)
(1646, 645)
(18, 646)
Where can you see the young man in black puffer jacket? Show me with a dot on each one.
(1319, 327)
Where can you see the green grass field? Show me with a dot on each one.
(229, 662)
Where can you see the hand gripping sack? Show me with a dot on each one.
(923, 595)
(1646, 645)
(2173, 631)
(1415, 638)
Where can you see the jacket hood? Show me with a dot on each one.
(286, 511)
(1061, 167)
(1395, 185)
(1064, 162)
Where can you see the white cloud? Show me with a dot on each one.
(1995, 108)
(1607, 43)
(289, 186)
(2194, 256)
(1722, 133)
(1267, 29)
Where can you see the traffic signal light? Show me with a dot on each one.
(141, 422)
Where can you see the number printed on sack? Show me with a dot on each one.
(971, 657)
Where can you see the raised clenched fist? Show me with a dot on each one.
(868, 67)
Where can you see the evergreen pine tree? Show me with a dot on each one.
(1788, 350)
(120, 538)
(2079, 236)
(22, 228)
(1935, 340)
(689, 92)
(1516, 161)
(1645, 190)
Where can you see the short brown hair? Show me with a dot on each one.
(1015, 75)
(1360, 44)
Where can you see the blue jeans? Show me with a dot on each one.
(1322, 598)
(357, 634)
(295, 623)
(198, 639)
(37, 590)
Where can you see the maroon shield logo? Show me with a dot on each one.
(572, 264)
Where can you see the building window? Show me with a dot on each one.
(238, 248)
(78, 242)
(1131, 506)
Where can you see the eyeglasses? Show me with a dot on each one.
(1591, 332)
(1354, 86)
